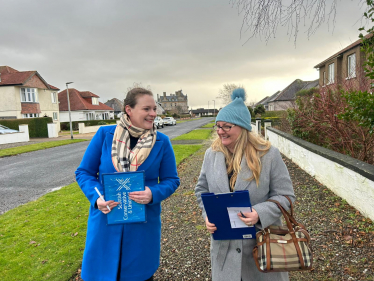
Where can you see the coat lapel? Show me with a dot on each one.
(245, 173)
(220, 173)
(152, 156)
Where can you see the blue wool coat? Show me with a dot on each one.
(138, 255)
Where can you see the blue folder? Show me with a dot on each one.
(117, 187)
(216, 209)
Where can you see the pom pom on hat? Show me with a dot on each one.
(236, 112)
(238, 93)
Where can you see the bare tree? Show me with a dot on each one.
(224, 94)
(263, 17)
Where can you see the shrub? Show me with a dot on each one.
(101, 123)
(316, 119)
(37, 126)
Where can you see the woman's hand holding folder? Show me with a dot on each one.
(211, 227)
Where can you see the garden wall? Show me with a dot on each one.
(349, 178)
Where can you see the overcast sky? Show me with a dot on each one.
(104, 46)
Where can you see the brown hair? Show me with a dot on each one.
(252, 147)
(133, 95)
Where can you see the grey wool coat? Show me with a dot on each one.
(232, 259)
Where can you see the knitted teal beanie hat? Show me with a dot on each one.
(236, 112)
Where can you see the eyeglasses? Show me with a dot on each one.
(225, 128)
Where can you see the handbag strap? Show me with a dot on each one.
(289, 218)
(285, 213)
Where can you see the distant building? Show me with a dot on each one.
(160, 109)
(116, 104)
(286, 98)
(175, 103)
(203, 112)
(84, 105)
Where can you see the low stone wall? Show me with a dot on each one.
(21, 136)
(90, 129)
(349, 178)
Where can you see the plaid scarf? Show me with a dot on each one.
(124, 159)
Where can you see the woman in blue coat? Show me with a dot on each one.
(127, 251)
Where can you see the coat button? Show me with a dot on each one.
(238, 250)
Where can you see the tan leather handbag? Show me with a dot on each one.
(283, 248)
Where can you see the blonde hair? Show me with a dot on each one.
(252, 147)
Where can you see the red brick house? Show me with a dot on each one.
(344, 68)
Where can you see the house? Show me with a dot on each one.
(117, 105)
(286, 98)
(203, 112)
(84, 105)
(25, 94)
(176, 103)
(344, 68)
(265, 101)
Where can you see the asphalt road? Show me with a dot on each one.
(28, 176)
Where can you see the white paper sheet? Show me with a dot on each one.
(234, 219)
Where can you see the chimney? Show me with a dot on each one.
(165, 94)
(158, 97)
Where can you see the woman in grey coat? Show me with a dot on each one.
(240, 160)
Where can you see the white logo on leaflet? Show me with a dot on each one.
(123, 184)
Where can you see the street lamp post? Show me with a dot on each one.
(208, 108)
(214, 108)
(67, 93)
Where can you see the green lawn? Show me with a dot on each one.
(182, 151)
(199, 134)
(36, 146)
(209, 125)
(186, 120)
(45, 239)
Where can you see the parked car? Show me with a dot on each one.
(159, 122)
(6, 130)
(170, 121)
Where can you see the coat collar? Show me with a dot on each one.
(151, 157)
(221, 178)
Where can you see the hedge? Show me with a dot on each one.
(38, 127)
(66, 125)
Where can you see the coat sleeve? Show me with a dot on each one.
(280, 185)
(87, 172)
(168, 177)
(202, 186)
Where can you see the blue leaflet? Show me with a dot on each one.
(117, 187)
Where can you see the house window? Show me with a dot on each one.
(90, 116)
(30, 115)
(29, 95)
(95, 101)
(54, 97)
(55, 116)
(331, 73)
(351, 67)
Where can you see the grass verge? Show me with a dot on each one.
(34, 147)
(209, 125)
(199, 134)
(182, 151)
(186, 120)
(44, 239)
